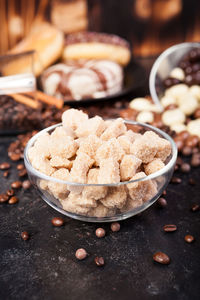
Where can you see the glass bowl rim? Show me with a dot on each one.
(165, 169)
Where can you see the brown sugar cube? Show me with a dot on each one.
(109, 149)
(144, 148)
(131, 204)
(63, 146)
(154, 166)
(100, 211)
(59, 190)
(73, 118)
(69, 205)
(94, 192)
(163, 146)
(42, 144)
(129, 166)
(42, 164)
(81, 165)
(109, 171)
(94, 125)
(151, 190)
(89, 145)
(115, 129)
(132, 136)
(125, 143)
(137, 190)
(116, 197)
(60, 162)
(82, 201)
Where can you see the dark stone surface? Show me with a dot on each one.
(45, 267)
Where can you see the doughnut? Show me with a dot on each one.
(94, 45)
(88, 79)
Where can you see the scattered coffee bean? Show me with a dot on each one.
(57, 221)
(192, 141)
(195, 161)
(4, 166)
(162, 202)
(3, 198)
(170, 228)
(5, 174)
(179, 161)
(13, 200)
(10, 192)
(15, 156)
(26, 184)
(183, 134)
(161, 258)
(179, 143)
(99, 261)
(195, 150)
(100, 232)
(22, 173)
(115, 226)
(16, 184)
(20, 167)
(81, 254)
(185, 168)
(164, 193)
(189, 238)
(195, 207)
(187, 151)
(192, 181)
(176, 180)
(25, 235)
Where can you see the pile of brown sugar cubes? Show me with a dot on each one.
(93, 151)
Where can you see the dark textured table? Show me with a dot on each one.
(45, 267)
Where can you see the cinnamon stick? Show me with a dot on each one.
(25, 100)
(49, 99)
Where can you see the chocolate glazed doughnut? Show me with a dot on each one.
(94, 45)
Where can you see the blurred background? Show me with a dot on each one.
(150, 25)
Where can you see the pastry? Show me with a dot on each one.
(46, 40)
(94, 45)
(86, 79)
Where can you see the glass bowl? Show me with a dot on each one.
(146, 190)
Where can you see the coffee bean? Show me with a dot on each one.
(15, 156)
(3, 198)
(26, 184)
(164, 193)
(195, 150)
(57, 221)
(179, 161)
(179, 143)
(5, 174)
(192, 141)
(16, 184)
(187, 151)
(99, 261)
(20, 167)
(4, 166)
(22, 173)
(189, 238)
(185, 168)
(115, 226)
(192, 181)
(161, 202)
(183, 134)
(161, 258)
(195, 161)
(81, 254)
(176, 180)
(10, 192)
(13, 200)
(100, 232)
(170, 228)
(25, 235)
(195, 207)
